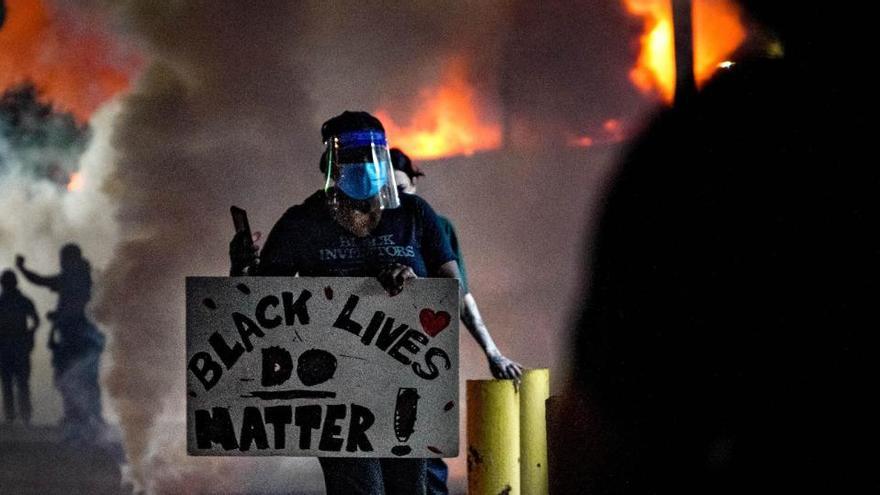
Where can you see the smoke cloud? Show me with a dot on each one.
(215, 119)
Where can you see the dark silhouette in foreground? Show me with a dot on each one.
(18, 324)
(716, 351)
(76, 345)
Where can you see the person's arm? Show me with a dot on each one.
(438, 235)
(500, 366)
(50, 282)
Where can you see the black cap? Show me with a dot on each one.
(350, 121)
(399, 161)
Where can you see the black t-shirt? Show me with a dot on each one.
(14, 310)
(309, 242)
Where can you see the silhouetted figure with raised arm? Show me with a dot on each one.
(76, 344)
(18, 323)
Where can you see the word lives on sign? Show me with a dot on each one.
(332, 367)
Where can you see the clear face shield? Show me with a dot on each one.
(359, 164)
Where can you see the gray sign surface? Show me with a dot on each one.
(333, 367)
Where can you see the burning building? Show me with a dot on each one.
(718, 31)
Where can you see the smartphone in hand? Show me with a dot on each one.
(242, 229)
(240, 220)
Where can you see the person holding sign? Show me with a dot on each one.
(405, 174)
(356, 226)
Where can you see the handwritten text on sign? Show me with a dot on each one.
(305, 366)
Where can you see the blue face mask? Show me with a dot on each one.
(362, 180)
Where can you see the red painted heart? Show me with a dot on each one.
(432, 322)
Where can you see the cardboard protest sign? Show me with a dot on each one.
(333, 367)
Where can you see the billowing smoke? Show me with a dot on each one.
(389, 52)
(216, 119)
(37, 140)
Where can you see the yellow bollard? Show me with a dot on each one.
(534, 392)
(493, 437)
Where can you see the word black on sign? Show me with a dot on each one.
(333, 367)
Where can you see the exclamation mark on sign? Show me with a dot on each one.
(405, 418)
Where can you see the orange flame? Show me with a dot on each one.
(76, 182)
(718, 31)
(449, 121)
(613, 131)
(74, 63)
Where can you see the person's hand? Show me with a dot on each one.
(505, 369)
(19, 261)
(242, 253)
(393, 276)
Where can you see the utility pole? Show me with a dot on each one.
(683, 41)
